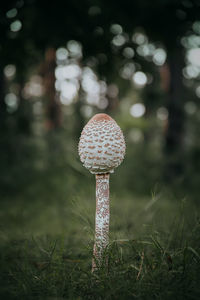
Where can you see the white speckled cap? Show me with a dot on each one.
(101, 146)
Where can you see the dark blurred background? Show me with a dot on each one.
(61, 62)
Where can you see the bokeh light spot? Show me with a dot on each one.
(86, 111)
(11, 101)
(159, 56)
(11, 13)
(162, 113)
(128, 52)
(113, 91)
(118, 40)
(103, 103)
(127, 71)
(16, 26)
(190, 107)
(140, 78)
(194, 56)
(196, 27)
(71, 71)
(94, 10)
(191, 71)
(143, 50)
(68, 92)
(137, 110)
(61, 54)
(136, 135)
(197, 91)
(116, 29)
(75, 49)
(9, 71)
(139, 38)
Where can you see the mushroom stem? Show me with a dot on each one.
(102, 218)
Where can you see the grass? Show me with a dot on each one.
(46, 241)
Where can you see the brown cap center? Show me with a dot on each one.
(101, 117)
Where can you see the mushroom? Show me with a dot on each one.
(101, 149)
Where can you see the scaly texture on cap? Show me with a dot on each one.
(101, 146)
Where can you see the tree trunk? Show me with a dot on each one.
(2, 102)
(53, 104)
(175, 128)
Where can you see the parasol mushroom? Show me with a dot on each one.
(101, 149)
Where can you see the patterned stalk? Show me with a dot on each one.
(102, 218)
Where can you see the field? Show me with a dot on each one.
(46, 241)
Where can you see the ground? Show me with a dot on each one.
(46, 241)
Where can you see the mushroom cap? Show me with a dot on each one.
(101, 146)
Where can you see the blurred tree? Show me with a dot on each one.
(30, 27)
(166, 22)
(47, 71)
